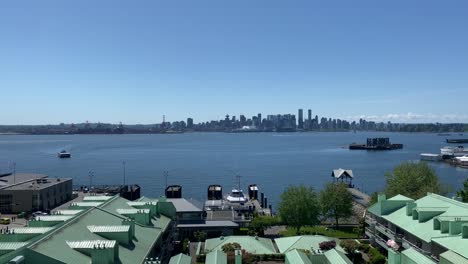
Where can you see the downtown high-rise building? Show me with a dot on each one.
(309, 115)
(300, 119)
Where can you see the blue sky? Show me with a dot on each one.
(133, 61)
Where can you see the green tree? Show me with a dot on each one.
(299, 207)
(336, 201)
(413, 180)
(463, 193)
(199, 235)
(260, 223)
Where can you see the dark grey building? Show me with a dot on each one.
(301, 119)
(25, 192)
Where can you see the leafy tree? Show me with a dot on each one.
(327, 245)
(199, 235)
(299, 207)
(230, 247)
(463, 193)
(336, 201)
(260, 223)
(350, 246)
(413, 180)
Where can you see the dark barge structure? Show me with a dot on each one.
(376, 144)
(457, 140)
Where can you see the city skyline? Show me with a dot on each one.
(113, 61)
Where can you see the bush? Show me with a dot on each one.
(231, 247)
(350, 246)
(327, 245)
(376, 257)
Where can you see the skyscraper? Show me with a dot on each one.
(189, 122)
(300, 119)
(309, 115)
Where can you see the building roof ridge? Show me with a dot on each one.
(449, 200)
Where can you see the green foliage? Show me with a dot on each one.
(230, 247)
(299, 206)
(413, 180)
(260, 223)
(463, 193)
(375, 257)
(336, 201)
(342, 232)
(199, 235)
(350, 246)
(185, 244)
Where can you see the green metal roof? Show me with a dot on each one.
(216, 257)
(54, 244)
(297, 257)
(424, 230)
(180, 259)
(254, 245)
(307, 242)
(336, 257)
(454, 243)
(68, 212)
(415, 256)
(400, 197)
(453, 258)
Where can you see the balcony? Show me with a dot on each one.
(381, 242)
(386, 231)
(407, 244)
(369, 220)
(369, 232)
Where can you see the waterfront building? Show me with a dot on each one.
(431, 229)
(293, 250)
(26, 192)
(109, 230)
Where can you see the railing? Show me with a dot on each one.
(369, 220)
(417, 248)
(381, 242)
(385, 230)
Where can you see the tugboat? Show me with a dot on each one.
(64, 154)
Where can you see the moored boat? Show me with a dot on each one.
(430, 157)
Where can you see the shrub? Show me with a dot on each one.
(376, 257)
(327, 245)
(231, 247)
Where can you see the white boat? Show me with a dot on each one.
(236, 196)
(462, 161)
(430, 157)
(459, 151)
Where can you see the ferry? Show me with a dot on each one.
(64, 154)
(457, 140)
(462, 161)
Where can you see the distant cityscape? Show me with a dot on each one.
(241, 124)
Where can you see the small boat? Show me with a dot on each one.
(64, 154)
(430, 157)
(236, 196)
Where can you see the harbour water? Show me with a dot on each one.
(196, 160)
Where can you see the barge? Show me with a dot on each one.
(457, 140)
(376, 144)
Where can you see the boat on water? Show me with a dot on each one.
(453, 151)
(457, 140)
(236, 196)
(64, 154)
(462, 161)
(430, 157)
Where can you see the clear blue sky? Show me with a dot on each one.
(133, 61)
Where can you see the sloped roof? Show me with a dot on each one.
(297, 257)
(10, 246)
(425, 230)
(337, 257)
(416, 257)
(342, 173)
(180, 259)
(54, 245)
(254, 245)
(216, 257)
(30, 230)
(454, 243)
(454, 257)
(306, 242)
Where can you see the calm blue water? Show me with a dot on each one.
(196, 160)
